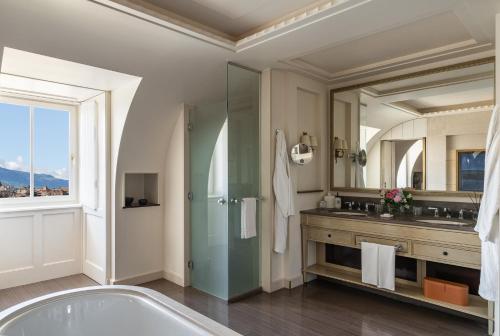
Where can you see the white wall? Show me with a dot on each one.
(39, 245)
(176, 214)
(285, 106)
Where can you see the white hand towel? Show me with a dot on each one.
(386, 267)
(248, 218)
(369, 263)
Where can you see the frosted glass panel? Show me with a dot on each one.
(244, 178)
(224, 161)
(209, 252)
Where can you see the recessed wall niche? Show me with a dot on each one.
(139, 187)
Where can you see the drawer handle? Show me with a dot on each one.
(445, 253)
(329, 235)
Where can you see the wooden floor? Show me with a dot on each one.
(321, 308)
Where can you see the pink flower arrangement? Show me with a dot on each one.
(396, 199)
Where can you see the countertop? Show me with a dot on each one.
(397, 219)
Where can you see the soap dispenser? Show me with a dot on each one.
(330, 200)
(338, 201)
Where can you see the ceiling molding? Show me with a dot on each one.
(465, 107)
(408, 75)
(427, 85)
(424, 57)
(301, 19)
(319, 10)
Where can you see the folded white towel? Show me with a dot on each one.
(248, 218)
(369, 263)
(386, 267)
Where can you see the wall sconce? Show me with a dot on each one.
(309, 140)
(340, 147)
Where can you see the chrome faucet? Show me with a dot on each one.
(461, 214)
(349, 204)
(447, 211)
(436, 211)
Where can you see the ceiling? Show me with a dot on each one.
(339, 42)
(425, 34)
(233, 17)
(453, 33)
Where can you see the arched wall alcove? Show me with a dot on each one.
(104, 38)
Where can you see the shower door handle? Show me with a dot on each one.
(221, 201)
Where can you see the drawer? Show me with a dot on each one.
(383, 241)
(330, 236)
(451, 254)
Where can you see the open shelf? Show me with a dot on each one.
(141, 186)
(140, 206)
(477, 306)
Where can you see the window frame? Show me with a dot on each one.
(72, 109)
(458, 167)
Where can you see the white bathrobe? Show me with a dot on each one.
(488, 219)
(283, 191)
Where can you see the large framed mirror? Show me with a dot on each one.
(424, 131)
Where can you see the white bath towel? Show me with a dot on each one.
(369, 263)
(488, 219)
(386, 267)
(248, 218)
(284, 206)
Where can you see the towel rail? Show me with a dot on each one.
(240, 200)
(397, 247)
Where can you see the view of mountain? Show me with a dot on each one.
(17, 178)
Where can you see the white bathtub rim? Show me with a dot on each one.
(201, 321)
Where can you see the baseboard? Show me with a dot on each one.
(138, 279)
(277, 285)
(286, 283)
(294, 282)
(174, 277)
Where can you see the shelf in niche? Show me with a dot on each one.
(135, 206)
(140, 186)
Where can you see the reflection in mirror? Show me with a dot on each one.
(402, 163)
(302, 154)
(424, 132)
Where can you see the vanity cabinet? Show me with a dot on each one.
(456, 247)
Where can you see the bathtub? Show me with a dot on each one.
(106, 310)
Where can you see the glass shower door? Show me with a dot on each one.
(209, 221)
(243, 111)
(224, 161)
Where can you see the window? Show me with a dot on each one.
(470, 166)
(36, 150)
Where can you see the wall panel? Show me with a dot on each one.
(39, 245)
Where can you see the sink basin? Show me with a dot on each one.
(348, 213)
(441, 222)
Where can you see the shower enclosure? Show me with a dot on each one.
(224, 161)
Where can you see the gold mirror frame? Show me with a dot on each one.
(436, 193)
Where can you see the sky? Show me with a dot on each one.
(51, 139)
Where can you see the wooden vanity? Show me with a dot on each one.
(422, 243)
